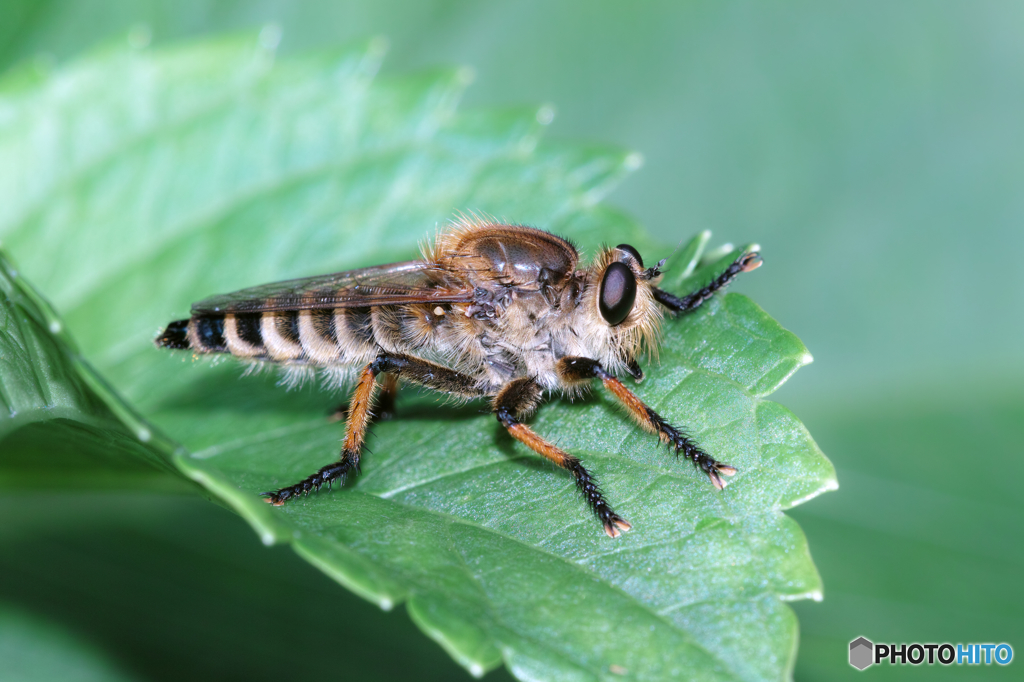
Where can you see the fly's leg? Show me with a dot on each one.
(428, 374)
(385, 406)
(690, 302)
(355, 433)
(582, 369)
(413, 369)
(520, 397)
(386, 400)
(577, 370)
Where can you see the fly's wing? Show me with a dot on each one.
(394, 284)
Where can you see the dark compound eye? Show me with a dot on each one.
(632, 252)
(618, 293)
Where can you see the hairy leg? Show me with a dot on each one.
(690, 302)
(355, 433)
(576, 370)
(428, 374)
(387, 398)
(385, 406)
(359, 413)
(520, 397)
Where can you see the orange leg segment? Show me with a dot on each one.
(581, 369)
(359, 412)
(520, 396)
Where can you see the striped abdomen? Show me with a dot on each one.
(308, 337)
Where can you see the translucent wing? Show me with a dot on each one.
(394, 284)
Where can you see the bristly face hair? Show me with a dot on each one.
(495, 311)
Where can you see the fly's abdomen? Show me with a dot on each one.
(244, 336)
(174, 336)
(320, 338)
(200, 334)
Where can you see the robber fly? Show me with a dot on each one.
(494, 311)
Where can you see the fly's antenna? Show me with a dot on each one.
(655, 271)
(672, 255)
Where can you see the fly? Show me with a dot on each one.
(502, 312)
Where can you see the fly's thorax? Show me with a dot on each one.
(530, 336)
(508, 335)
(444, 334)
(425, 325)
(515, 256)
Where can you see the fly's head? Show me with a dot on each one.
(624, 318)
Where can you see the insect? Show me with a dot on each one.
(502, 312)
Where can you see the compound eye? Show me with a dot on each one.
(632, 252)
(618, 293)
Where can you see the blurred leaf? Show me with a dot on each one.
(134, 183)
(683, 262)
(59, 423)
(174, 588)
(32, 649)
(910, 510)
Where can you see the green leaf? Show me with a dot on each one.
(919, 516)
(481, 523)
(134, 183)
(33, 649)
(59, 422)
(174, 588)
(682, 263)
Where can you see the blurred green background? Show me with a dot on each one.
(876, 152)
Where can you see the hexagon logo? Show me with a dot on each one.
(861, 651)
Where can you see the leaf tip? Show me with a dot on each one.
(633, 161)
(813, 595)
(827, 485)
(545, 114)
(270, 36)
